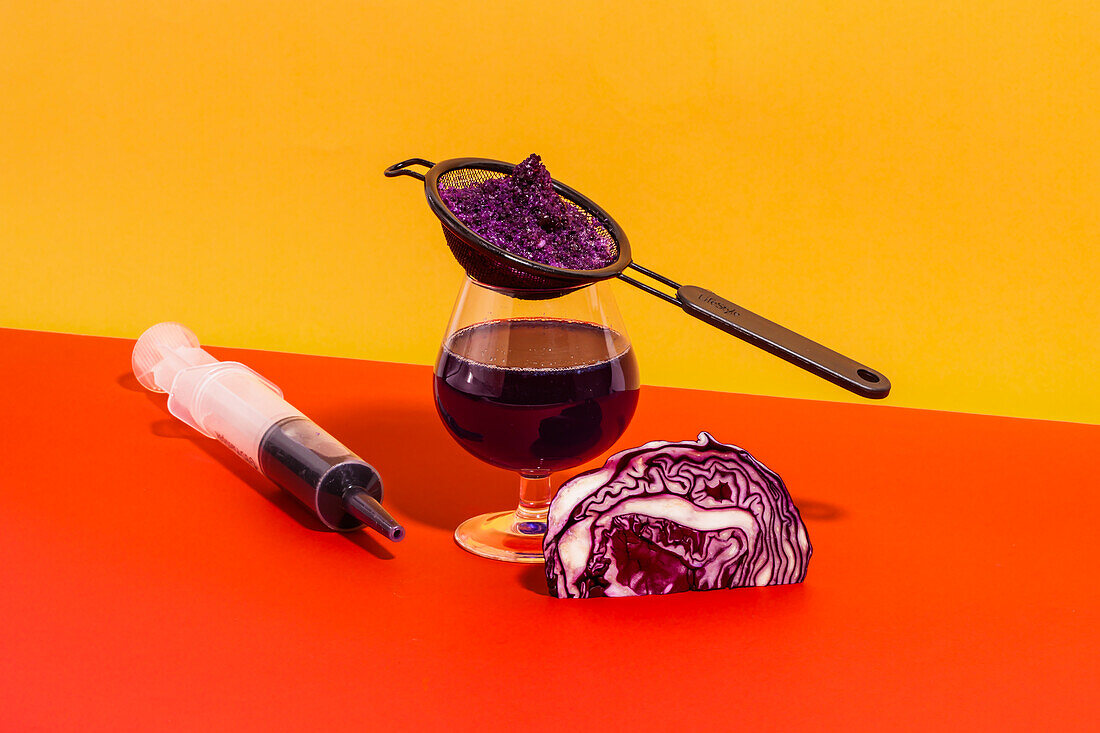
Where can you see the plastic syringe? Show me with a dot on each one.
(230, 402)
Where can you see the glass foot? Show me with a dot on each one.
(500, 536)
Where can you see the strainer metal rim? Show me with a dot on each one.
(459, 229)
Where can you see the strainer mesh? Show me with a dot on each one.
(481, 263)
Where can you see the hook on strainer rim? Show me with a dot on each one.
(496, 267)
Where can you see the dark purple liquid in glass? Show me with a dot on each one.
(536, 394)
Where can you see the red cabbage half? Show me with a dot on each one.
(670, 517)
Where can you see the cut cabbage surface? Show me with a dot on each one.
(669, 517)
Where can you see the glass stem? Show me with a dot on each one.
(534, 502)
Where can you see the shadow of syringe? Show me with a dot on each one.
(233, 404)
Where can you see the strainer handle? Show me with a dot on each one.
(782, 342)
(401, 169)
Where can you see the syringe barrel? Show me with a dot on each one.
(319, 470)
(235, 405)
(230, 402)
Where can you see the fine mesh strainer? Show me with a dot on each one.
(524, 278)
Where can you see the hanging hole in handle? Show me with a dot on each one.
(400, 169)
(868, 376)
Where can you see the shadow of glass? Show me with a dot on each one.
(426, 475)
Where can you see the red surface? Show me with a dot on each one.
(150, 581)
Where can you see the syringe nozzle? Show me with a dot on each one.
(367, 510)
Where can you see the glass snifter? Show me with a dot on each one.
(532, 382)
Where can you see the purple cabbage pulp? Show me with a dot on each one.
(523, 214)
(669, 517)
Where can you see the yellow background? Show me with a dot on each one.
(912, 183)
